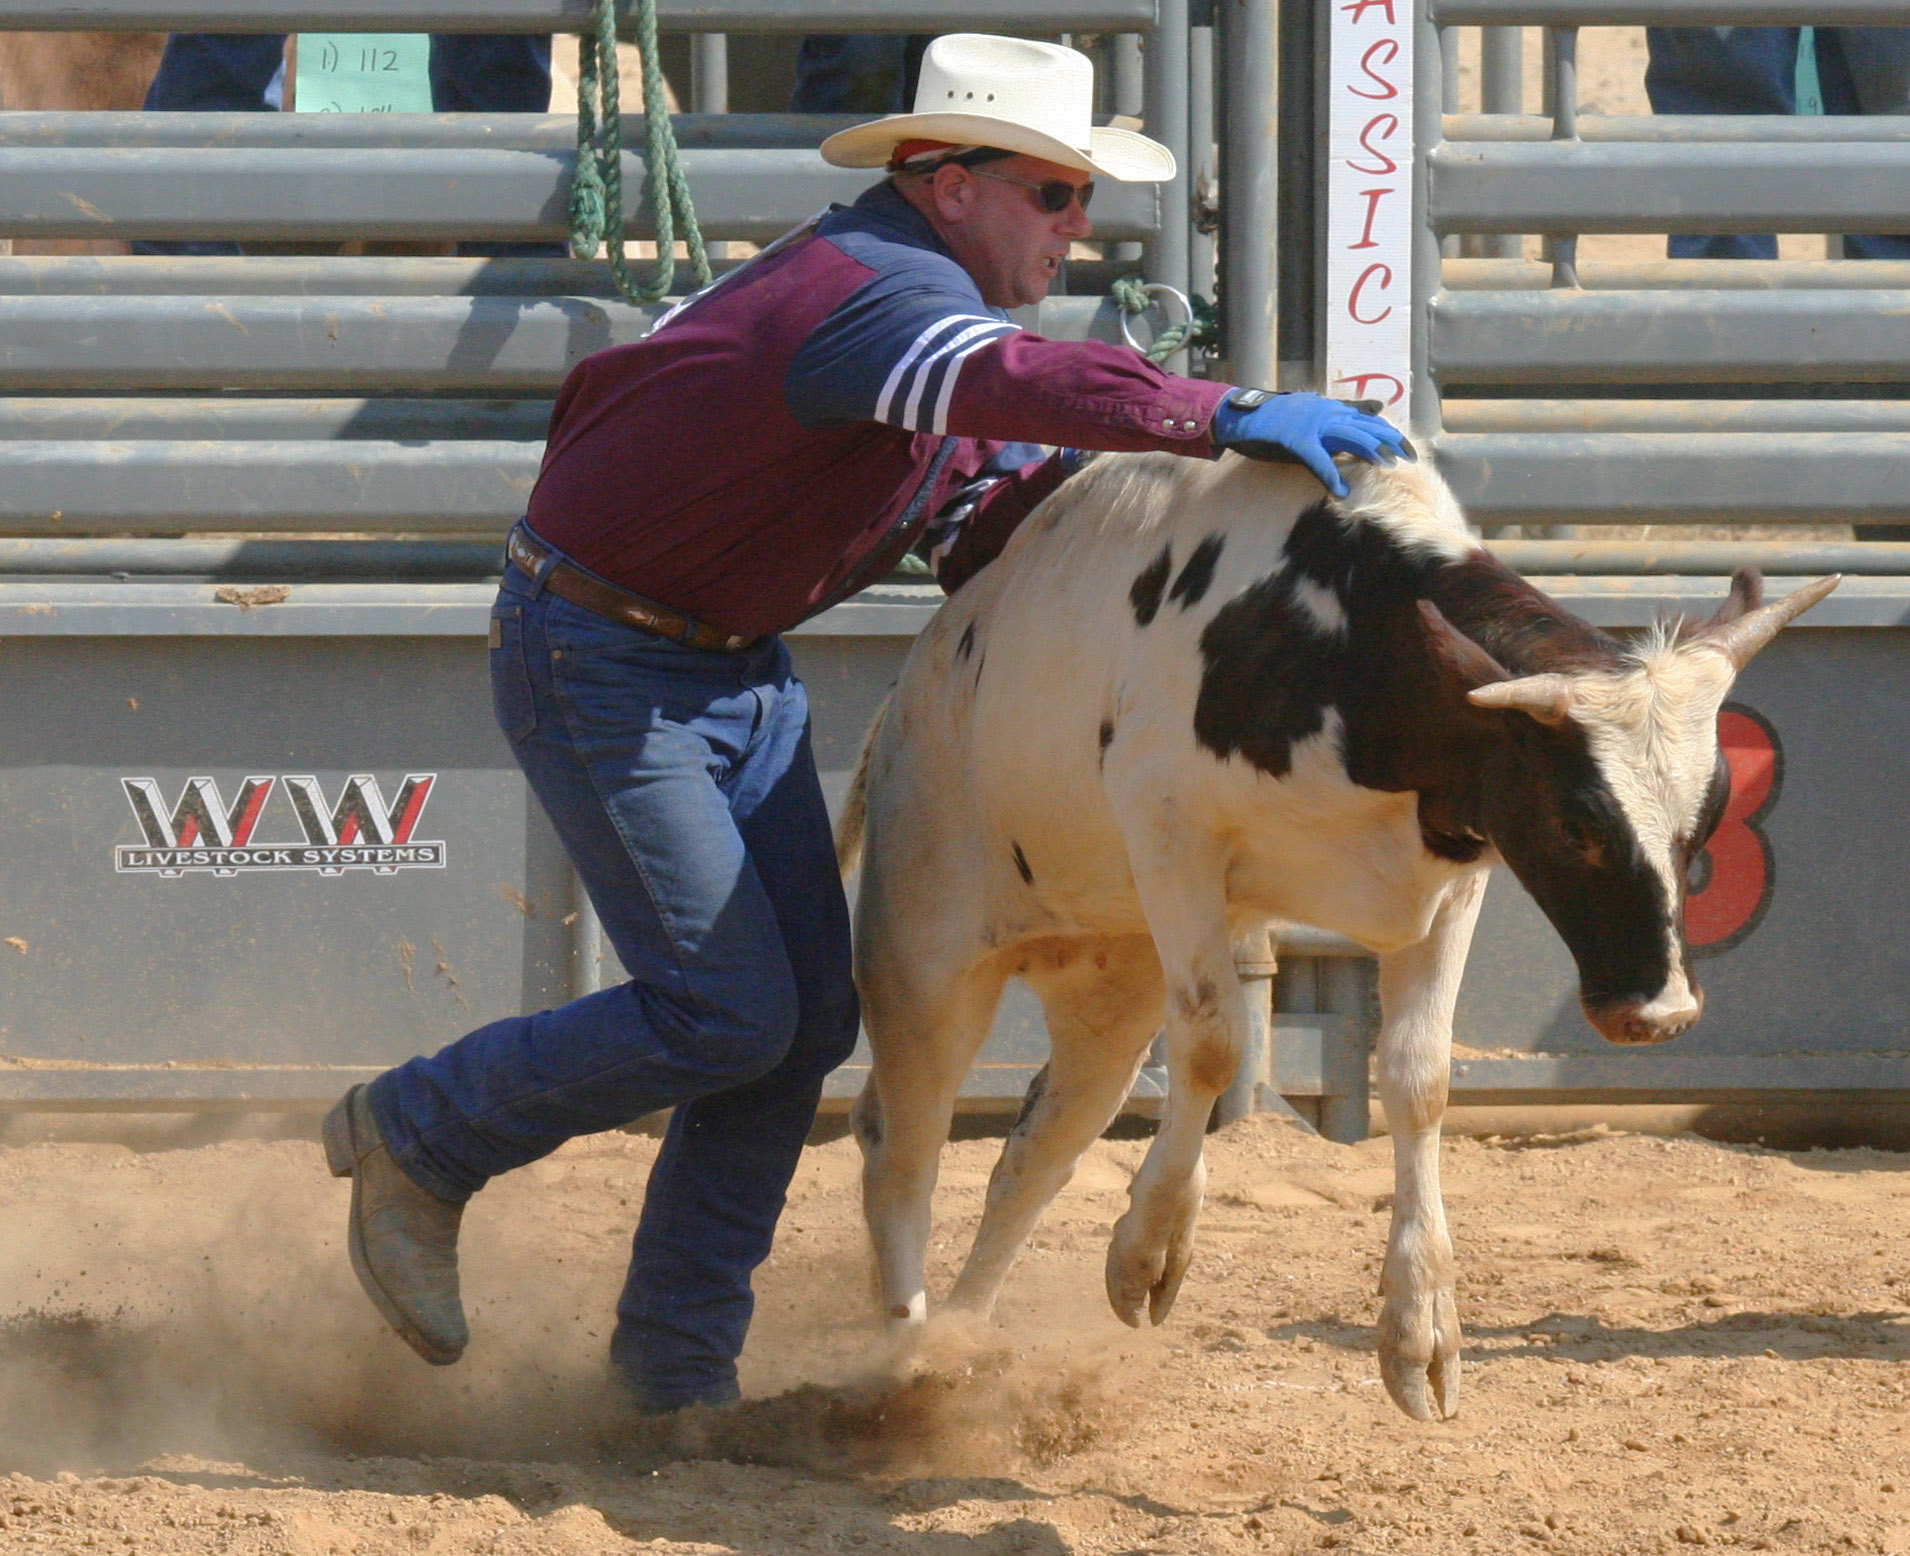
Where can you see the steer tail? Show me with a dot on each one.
(855, 804)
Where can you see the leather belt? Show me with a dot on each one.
(570, 582)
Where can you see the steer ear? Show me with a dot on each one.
(1487, 683)
(1741, 637)
(1747, 595)
(1461, 663)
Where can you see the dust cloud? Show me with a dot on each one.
(169, 1309)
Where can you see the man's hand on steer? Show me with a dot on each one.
(1307, 429)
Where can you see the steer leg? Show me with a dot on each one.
(1181, 882)
(1419, 1319)
(1103, 1004)
(924, 1040)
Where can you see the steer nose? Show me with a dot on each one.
(1635, 1022)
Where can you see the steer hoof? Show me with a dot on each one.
(1419, 1357)
(1145, 1279)
(1426, 1393)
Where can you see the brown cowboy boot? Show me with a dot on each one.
(404, 1239)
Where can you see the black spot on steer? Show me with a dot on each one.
(1021, 864)
(1107, 739)
(967, 644)
(1037, 1089)
(1269, 673)
(1149, 585)
(1192, 583)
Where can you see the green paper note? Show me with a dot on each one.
(363, 72)
(1810, 91)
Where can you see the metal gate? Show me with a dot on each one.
(1560, 393)
(189, 661)
(261, 838)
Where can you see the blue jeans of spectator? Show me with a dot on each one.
(1753, 70)
(235, 72)
(856, 73)
(682, 785)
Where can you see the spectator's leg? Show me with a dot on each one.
(1876, 63)
(485, 73)
(852, 73)
(1732, 70)
(213, 73)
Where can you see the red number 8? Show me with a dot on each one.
(1732, 880)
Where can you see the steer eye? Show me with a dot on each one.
(1580, 838)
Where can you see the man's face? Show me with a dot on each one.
(997, 230)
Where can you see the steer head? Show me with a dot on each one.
(1598, 786)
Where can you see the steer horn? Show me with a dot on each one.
(1548, 698)
(1741, 639)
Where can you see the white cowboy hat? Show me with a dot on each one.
(1010, 94)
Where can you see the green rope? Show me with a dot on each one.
(1130, 296)
(596, 189)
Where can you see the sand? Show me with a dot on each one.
(1670, 1342)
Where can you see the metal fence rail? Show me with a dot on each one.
(319, 194)
(504, 16)
(1606, 369)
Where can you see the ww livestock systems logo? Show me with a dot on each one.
(202, 833)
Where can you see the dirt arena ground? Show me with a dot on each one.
(1671, 1343)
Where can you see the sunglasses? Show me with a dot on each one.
(1053, 194)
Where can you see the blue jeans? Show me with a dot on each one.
(1753, 70)
(233, 73)
(682, 785)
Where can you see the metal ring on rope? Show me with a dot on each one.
(1173, 335)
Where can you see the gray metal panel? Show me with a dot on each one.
(281, 561)
(1650, 1076)
(321, 194)
(1827, 970)
(140, 608)
(227, 417)
(382, 194)
(874, 627)
(418, 132)
(264, 967)
(1570, 186)
(1012, 16)
(1695, 558)
(1249, 215)
(1551, 416)
(1686, 275)
(500, 345)
(1765, 129)
(47, 1087)
(1676, 337)
(274, 275)
(1668, 13)
(494, 345)
(147, 487)
(1665, 478)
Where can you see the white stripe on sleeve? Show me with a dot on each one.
(922, 343)
(988, 329)
(947, 396)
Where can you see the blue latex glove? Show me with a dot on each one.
(1307, 429)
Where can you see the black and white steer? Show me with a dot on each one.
(1191, 699)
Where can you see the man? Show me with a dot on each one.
(788, 433)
